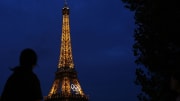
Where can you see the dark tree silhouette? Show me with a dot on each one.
(157, 46)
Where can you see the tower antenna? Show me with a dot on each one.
(65, 2)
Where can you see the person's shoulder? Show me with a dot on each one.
(34, 76)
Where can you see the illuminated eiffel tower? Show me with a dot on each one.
(66, 86)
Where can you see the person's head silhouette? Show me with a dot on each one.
(28, 58)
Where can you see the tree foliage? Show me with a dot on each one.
(157, 46)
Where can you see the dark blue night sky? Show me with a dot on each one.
(102, 39)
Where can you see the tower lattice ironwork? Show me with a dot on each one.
(66, 86)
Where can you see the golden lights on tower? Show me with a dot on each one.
(66, 86)
(66, 59)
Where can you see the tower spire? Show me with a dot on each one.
(65, 58)
(65, 2)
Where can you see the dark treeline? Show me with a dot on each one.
(157, 46)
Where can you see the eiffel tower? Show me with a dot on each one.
(66, 86)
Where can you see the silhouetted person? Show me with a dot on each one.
(23, 84)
